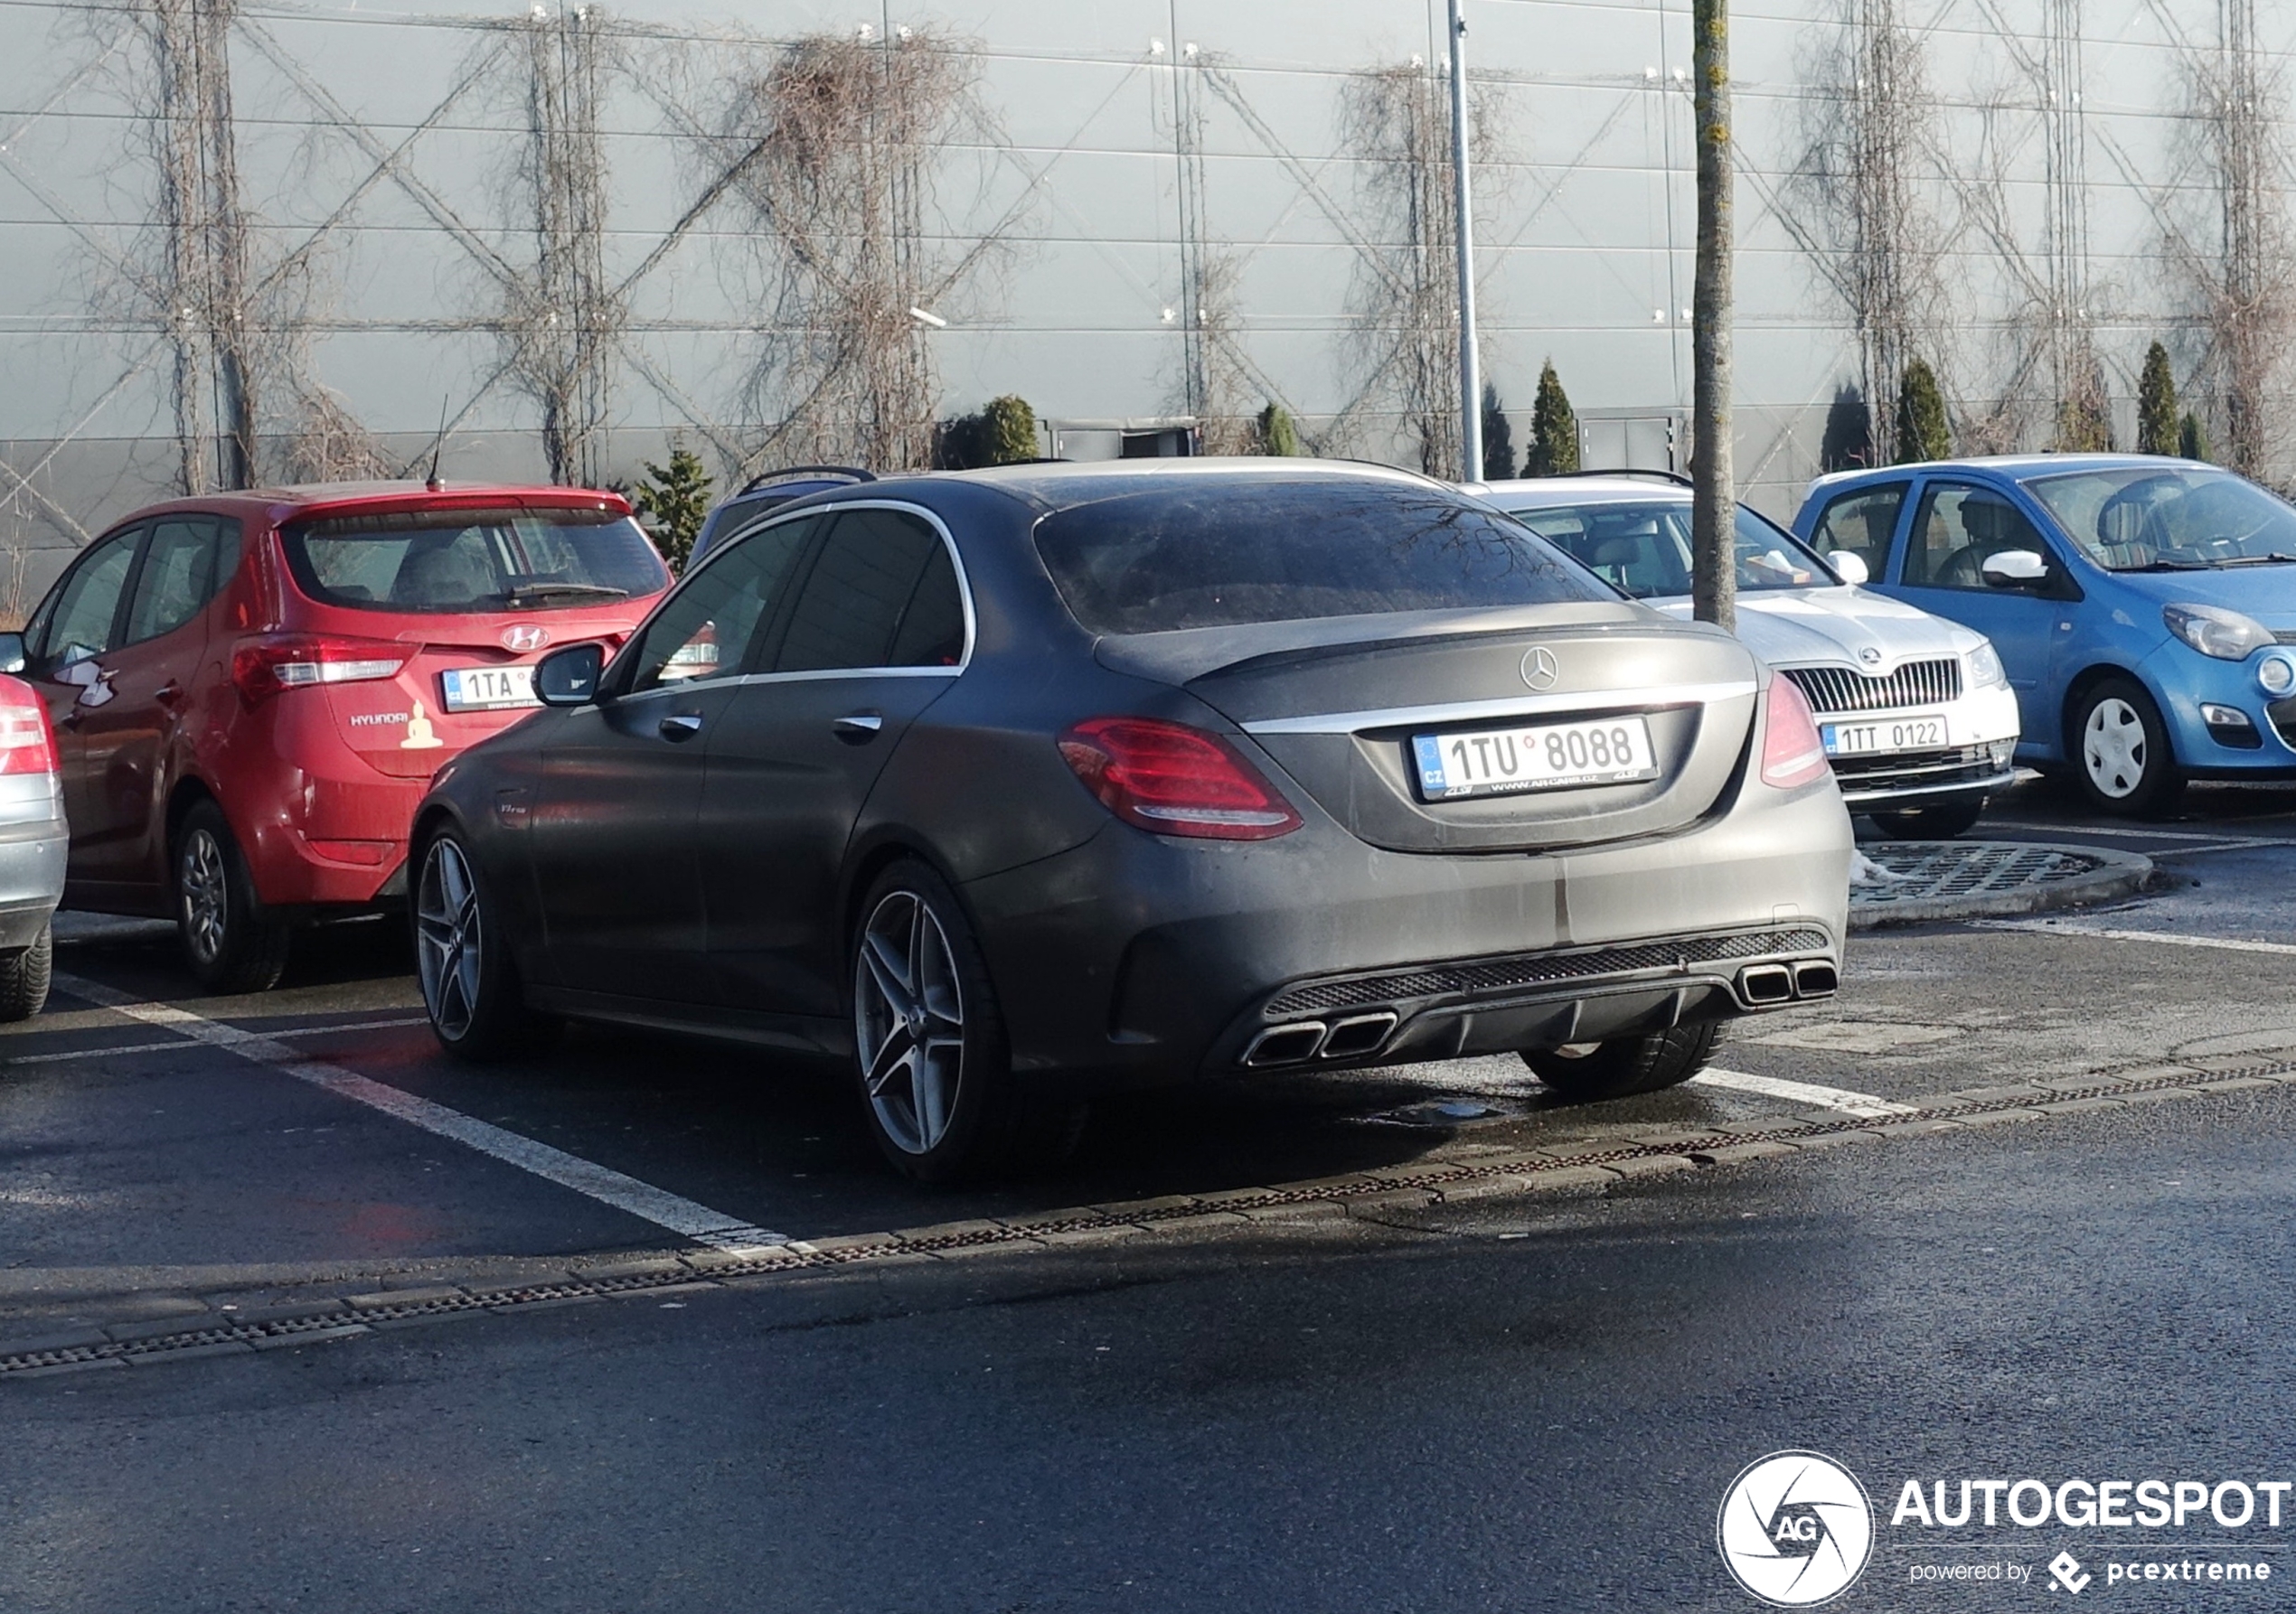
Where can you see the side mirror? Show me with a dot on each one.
(1850, 567)
(568, 677)
(2014, 569)
(12, 653)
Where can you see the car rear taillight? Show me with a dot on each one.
(1175, 780)
(27, 745)
(263, 667)
(1792, 753)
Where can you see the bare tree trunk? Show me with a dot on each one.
(1714, 576)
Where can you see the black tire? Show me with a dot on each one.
(1933, 821)
(2121, 759)
(1626, 1065)
(463, 960)
(230, 942)
(23, 976)
(912, 944)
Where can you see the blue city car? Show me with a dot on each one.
(2144, 607)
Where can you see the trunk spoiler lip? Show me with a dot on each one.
(1187, 655)
(1526, 705)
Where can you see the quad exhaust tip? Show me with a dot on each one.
(1302, 1040)
(1815, 978)
(1765, 983)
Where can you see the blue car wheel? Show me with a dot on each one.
(2122, 756)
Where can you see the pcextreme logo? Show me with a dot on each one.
(1795, 1529)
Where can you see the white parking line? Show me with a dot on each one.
(161, 1047)
(2166, 939)
(607, 1186)
(1801, 1092)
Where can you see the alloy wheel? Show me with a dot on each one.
(908, 1022)
(448, 939)
(2113, 747)
(205, 894)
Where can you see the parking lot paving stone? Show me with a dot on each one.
(1986, 1096)
(1123, 1208)
(2154, 1095)
(157, 1327)
(1918, 1126)
(923, 1232)
(2234, 1084)
(1649, 1165)
(99, 1364)
(1391, 1199)
(1985, 1118)
(636, 1266)
(405, 1296)
(1508, 1188)
(1300, 1210)
(68, 1339)
(308, 1306)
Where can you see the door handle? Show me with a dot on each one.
(168, 693)
(858, 727)
(71, 719)
(681, 725)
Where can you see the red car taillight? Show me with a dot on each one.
(263, 667)
(1792, 753)
(27, 745)
(1175, 780)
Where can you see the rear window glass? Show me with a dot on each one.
(473, 560)
(1213, 552)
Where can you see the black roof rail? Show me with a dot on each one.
(1673, 476)
(791, 472)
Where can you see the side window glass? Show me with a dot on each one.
(1862, 524)
(932, 629)
(860, 591)
(704, 630)
(178, 576)
(89, 602)
(1956, 529)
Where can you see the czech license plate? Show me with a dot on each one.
(485, 688)
(1924, 731)
(1545, 756)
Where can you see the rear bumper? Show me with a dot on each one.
(1135, 959)
(31, 878)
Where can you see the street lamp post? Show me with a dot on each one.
(1469, 369)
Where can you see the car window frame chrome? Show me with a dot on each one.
(956, 563)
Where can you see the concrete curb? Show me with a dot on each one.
(2112, 875)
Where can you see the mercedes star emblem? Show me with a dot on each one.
(1539, 670)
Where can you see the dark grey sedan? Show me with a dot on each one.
(1012, 786)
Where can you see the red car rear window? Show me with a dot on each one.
(472, 560)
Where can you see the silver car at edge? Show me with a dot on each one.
(34, 840)
(1915, 713)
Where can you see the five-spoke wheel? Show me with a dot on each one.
(469, 982)
(449, 931)
(908, 1022)
(929, 1051)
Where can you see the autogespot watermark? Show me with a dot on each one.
(1796, 1529)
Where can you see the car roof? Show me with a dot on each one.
(293, 500)
(2011, 466)
(1624, 488)
(1059, 481)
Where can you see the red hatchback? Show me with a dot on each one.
(251, 691)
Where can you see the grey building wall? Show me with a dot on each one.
(381, 152)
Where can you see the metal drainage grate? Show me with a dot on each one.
(1120, 1219)
(1926, 871)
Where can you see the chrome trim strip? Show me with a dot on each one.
(1884, 794)
(1520, 706)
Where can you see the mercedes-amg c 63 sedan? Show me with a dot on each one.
(1012, 786)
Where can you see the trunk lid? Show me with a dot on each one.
(1337, 703)
(404, 725)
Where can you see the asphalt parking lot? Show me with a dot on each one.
(1424, 1337)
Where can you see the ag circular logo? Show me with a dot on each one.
(1540, 668)
(1795, 1529)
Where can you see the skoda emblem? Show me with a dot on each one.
(1870, 655)
(525, 636)
(1539, 669)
